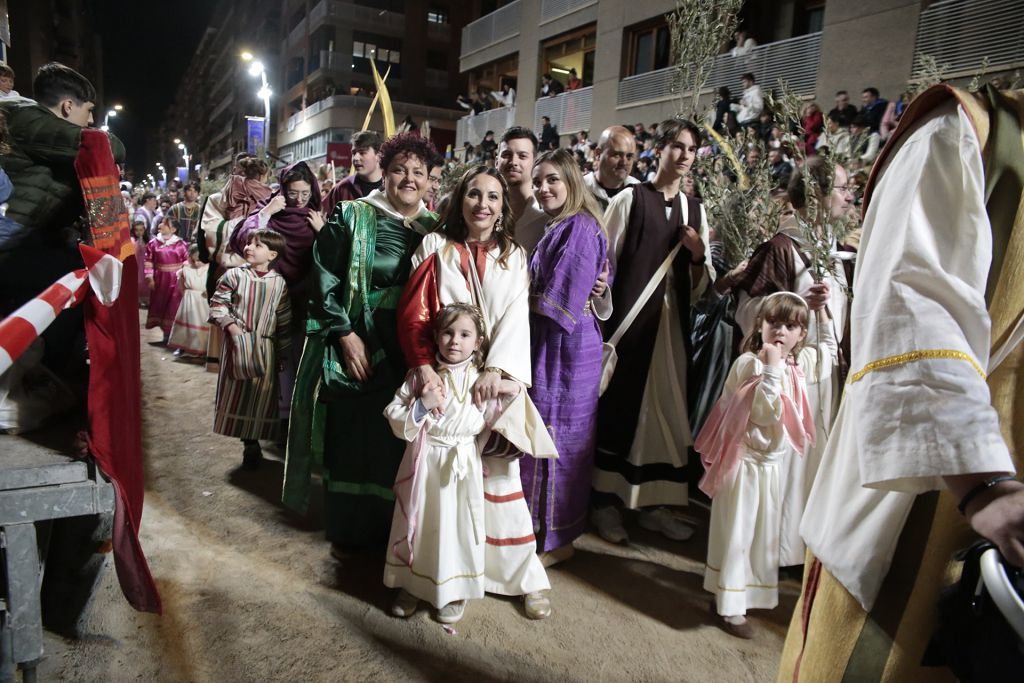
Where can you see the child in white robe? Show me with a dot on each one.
(436, 551)
(191, 331)
(761, 419)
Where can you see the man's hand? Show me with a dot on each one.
(432, 397)
(692, 241)
(998, 515)
(817, 296)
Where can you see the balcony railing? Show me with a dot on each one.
(224, 103)
(982, 29)
(352, 13)
(499, 25)
(794, 60)
(473, 128)
(297, 34)
(552, 9)
(569, 112)
(361, 104)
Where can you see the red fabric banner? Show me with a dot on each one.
(115, 406)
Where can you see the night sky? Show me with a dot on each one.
(146, 47)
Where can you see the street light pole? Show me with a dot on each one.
(256, 68)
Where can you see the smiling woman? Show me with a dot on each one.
(352, 362)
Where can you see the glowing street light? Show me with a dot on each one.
(109, 115)
(257, 70)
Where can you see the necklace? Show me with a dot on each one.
(460, 398)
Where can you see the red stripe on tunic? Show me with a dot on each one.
(522, 540)
(494, 498)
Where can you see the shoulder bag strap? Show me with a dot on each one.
(641, 301)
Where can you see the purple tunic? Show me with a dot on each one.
(566, 350)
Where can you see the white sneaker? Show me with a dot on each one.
(405, 604)
(608, 521)
(665, 523)
(452, 612)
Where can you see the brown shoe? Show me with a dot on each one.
(744, 630)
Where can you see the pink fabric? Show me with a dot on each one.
(720, 442)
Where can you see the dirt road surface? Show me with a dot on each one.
(251, 593)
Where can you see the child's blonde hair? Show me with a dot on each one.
(784, 307)
(450, 313)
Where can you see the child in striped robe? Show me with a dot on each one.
(251, 306)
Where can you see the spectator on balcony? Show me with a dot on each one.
(550, 86)
(548, 134)
(489, 146)
(7, 82)
(751, 102)
(722, 111)
(616, 154)
(506, 96)
(873, 109)
(835, 141)
(843, 110)
(743, 44)
(813, 124)
(516, 153)
(368, 175)
(473, 106)
(864, 142)
(574, 83)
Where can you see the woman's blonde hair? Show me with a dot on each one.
(578, 198)
(784, 307)
(450, 313)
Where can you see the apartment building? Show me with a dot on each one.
(216, 92)
(622, 53)
(327, 81)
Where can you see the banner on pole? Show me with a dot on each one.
(182, 174)
(254, 135)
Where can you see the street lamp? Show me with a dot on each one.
(256, 69)
(110, 114)
(185, 155)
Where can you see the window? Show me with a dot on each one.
(650, 49)
(384, 50)
(437, 16)
(437, 60)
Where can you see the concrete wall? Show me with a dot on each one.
(867, 43)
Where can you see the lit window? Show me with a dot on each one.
(383, 54)
(437, 16)
(395, 57)
(357, 48)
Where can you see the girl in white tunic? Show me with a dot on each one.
(191, 331)
(437, 550)
(760, 422)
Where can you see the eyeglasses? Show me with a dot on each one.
(299, 195)
(844, 188)
(435, 181)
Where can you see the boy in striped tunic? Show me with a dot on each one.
(251, 306)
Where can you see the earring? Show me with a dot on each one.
(497, 224)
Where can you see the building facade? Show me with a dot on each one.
(621, 51)
(328, 83)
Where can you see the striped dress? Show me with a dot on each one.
(247, 409)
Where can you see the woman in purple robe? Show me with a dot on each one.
(294, 211)
(566, 347)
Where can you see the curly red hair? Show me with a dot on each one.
(408, 144)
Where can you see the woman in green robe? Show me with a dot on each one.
(352, 363)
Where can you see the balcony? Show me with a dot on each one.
(992, 29)
(223, 160)
(553, 9)
(569, 112)
(350, 13)
(224, 104)
(297, 34)
(490, 29)
(794, 61)
(472, 128)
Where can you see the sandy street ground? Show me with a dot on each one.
(251, 593)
